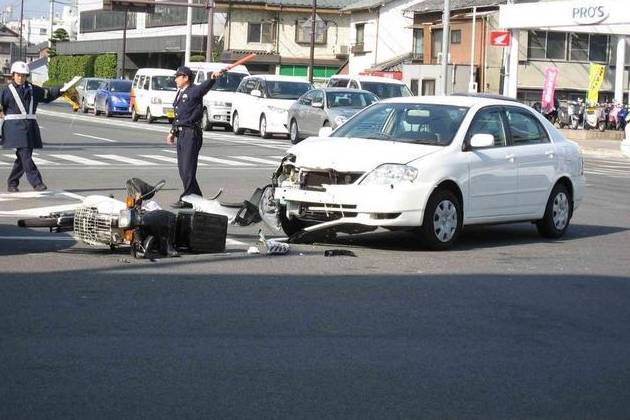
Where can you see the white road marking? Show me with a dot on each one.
(37, 160)
(257, 160)
(4, 164)
(81, 160)
(166, 159)
(38, 238)
(39, 211)
(125, 159)
(95, 137)
(216, 160)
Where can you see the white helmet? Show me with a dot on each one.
(20, 67)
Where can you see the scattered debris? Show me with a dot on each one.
(253, 250)
(271, 246)
(339, 253)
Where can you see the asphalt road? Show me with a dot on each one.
(506, 325)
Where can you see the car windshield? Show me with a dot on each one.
(386, 90)
(286, 90)
(120, 86)
(228, 83)
(406, 123)
(349, 99)
(164, 83)
(93, 84)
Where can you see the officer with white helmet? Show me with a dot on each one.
(20, 131)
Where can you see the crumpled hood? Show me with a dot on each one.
(355, 154)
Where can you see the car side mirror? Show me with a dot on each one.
(256, 93)
(317, 105)
(325, 131)
(480, 141)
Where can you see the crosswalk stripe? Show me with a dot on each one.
(277, 157)
(125, 159)
(95, 137)
(37, 160)
(216, 160)
(166, 159)
(81, 160)
(257, 160)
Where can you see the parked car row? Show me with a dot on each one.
(266, 104)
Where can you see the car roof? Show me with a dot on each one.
(456, 100)
(155, 72)
(277, 77)
(340, 89)
(214, 66)
(368, 78)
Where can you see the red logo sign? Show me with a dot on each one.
(500, 38)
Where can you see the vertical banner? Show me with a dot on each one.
(549, 88)
(596, 78)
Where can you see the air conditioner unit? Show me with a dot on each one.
(357, 49)
(341, 51)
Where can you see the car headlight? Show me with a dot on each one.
(276, 109)
(117, 100)
(124, 219)
(156, 100)
(339, 120)
(390, 173)
(219, 103)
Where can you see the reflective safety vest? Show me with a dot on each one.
(23, 115)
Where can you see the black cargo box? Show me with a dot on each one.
(201, 232)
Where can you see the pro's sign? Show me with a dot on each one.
(589, 15)
(500, 38)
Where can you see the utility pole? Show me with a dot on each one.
(471, 82)
(311, 65)
(210, 41)
(124, 46)
(51, 23)
(21, 21)
(188, 33)
(445, 44)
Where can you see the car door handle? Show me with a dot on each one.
(549, 153)
(510, 157)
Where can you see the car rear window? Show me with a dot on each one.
(386, 90)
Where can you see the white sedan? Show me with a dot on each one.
(433, 165)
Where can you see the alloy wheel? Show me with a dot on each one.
(445, 221)
(560, 210)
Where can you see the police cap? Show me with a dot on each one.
(184, 71)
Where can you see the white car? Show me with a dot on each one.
(262, 101)
(383, 87)
(433, 165)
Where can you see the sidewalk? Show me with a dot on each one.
(601, 147)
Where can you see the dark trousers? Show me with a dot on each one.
(24, 164)
(188, 146)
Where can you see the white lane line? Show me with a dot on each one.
(124, 159)
(95, 137)
(166, 159)
(81, 160)
(39, 211)
(37, 160)
(229, 241)
(257, 160)
(216, 160)
(4, 164)
(278, 157)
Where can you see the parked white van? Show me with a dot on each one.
(152, 94)
(383, 87)
(262, 101)
(217, 103)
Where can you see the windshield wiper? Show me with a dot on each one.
(379, 136)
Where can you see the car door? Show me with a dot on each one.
(493, 180)
(99, 98)
(299, 111)
(316, 114)
(536, 158)
(143, 95)
(248, 111)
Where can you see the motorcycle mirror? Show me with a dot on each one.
(155, 189)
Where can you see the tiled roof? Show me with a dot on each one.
(393, 64)
(438, 5)
(365, 4)
(325, 4)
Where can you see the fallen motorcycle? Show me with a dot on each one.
(139, 223)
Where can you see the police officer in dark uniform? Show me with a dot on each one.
(186, 130)
(20, 131)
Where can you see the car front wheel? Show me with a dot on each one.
(558, 213)
(236, 127)
(263, 128)
(294, 132)
(443, 218)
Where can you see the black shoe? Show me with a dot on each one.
(40, 187)
(11, 188)
(181, 205)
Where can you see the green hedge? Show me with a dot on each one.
(62, 68)
(105, 66)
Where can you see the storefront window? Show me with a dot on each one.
(598, 48)
(536, 44)
(579, 47)
(556, 45)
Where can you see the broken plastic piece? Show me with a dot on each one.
(272, 247)
(339, 253)
(253, 250)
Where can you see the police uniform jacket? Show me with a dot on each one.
(189, 104)
(24, 132)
